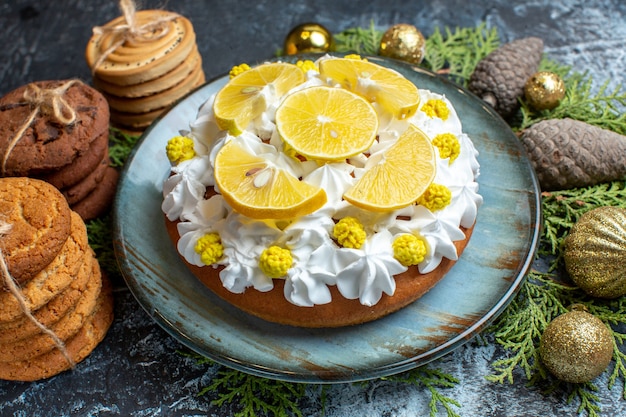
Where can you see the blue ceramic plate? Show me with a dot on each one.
(473, 293)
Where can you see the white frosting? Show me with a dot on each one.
(319, 262)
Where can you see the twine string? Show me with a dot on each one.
(153, 30)
(46, 101)
(10, 283)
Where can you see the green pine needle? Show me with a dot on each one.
(255, 395)
(604, 109)
(433, 380)
(121, 145)
(457, 53)
(358, 40)
(562, 209)
(100, 232)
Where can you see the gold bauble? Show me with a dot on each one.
(544, 90)
(308, 38)
(576, 346)
(404, 42)
(595, 252)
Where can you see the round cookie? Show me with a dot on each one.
(40, 221)
(170, 79)
(160, 99)
(80, 190)
(51, 312)
(53, 279)
(143, 120)
(66, 327)
(85, 163)
(48, 144)
(140, 59)
(100, 199)
(135, 121)
(78, 347)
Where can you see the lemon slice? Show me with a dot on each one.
(241, 100)
(402, 175)
(256, 188)
(392, 91)
(326, 123)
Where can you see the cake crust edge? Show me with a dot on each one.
(272, 305)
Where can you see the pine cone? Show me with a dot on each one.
(568, 153)
(499, 77)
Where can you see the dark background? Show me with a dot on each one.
(139, 370)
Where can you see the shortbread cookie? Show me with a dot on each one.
(142, 120)
(53, 279)
(78, 191)
(141, 58)
(170, 79)
(84, 164)
(139, 121)
(50, 313)
(65, 328)
(47, 143)
(100, 199)
(163, 98)
(78, 347)
(135, 121)
(40, 223)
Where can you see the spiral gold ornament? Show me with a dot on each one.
(595, 252)
(403, 41)
(308, 38)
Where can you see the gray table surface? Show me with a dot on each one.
(136, 370)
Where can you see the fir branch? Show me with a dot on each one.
(359, 40)
(613, 313)
(433, 380)
(100, 234)
(619, 370)
(121, 145)
(562, 209)
(255, 394)
(100, 230)
(604, 109)
(457, 53)
(520, 327)
(588, 400)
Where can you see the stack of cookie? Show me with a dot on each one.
(67, 303)
(143, 62)
(58, 131)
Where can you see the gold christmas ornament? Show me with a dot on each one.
(595, 252)
(404, 42)
(576, 346)
(544, 90)
(308, 38)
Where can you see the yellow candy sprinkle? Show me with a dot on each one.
(448, 144)
(179, 149)
(238, 69)
(307, 65)
(275, 261)
(210, 248)
(436, 108)
(409, 249)
(356, 57)
(436, 197)
(349, 233)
